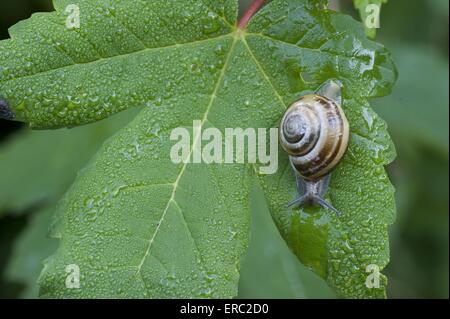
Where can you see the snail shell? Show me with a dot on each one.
(314, 132)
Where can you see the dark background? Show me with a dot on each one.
(417, 112)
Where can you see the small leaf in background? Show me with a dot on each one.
(31, 247)
(370, 11)
(16, 10)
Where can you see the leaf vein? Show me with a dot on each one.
(128, 29)
(171, 46)
(316, 50)
(264, 74)
(190, 233)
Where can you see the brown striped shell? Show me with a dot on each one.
(314, 132)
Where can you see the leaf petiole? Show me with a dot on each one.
(254, 7)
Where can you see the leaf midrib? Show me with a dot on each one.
(183, 168)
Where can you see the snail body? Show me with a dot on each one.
(315, 133)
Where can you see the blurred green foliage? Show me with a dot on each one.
(417, 113)
(419, 262)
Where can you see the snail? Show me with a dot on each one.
(315, 132)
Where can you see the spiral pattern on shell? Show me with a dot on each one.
(314, 132)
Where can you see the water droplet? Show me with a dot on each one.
(368, 117)
(211, 23)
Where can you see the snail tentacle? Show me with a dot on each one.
(311, 193)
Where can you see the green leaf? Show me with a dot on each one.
(48, 162)
(361, 6)
(139, 226)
